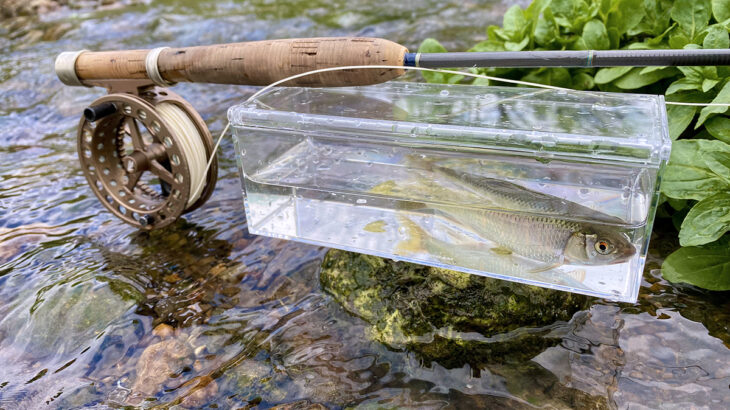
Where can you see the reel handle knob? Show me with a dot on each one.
(99, 111)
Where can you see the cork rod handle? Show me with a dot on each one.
(251, 63)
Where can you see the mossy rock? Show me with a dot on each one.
(431, 310)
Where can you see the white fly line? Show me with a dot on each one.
(191, 146)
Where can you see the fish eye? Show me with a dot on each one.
(603, 247)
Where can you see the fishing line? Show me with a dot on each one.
(434, 70)
(191, 145)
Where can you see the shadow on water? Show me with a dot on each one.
(94, 313)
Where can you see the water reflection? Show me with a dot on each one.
(94, 313)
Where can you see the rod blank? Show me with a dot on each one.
(583, 58)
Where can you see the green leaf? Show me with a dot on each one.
(634, 79)
(656, 18)
(606, 75)
(546, 29)
(533, 13)
(677, 204)
(706, 266)
(583, 81)
(708, 84)
(658, 39)
(683, 84)
(679, 118)
(691, 15)
(513, 46)
(703, 78)
(678, 218)
(573, 14)
(481, 81)
(719, 127)
(678, 39)
(719, 163)
(723, 97)
(514, 24)
(687, 176)
(551, 76)
(624, 15)
(492, 33)
(614, 38)
(488, 45)
(647, 70)
(595, 36)
(707, 221)
(721, 9)
(431, 45)
(697, 73)
(692, 46)
(716, 37)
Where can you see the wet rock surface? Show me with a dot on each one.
(407, 303)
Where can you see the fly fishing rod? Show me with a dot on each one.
(141, 132)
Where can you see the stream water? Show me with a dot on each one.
(94, 313)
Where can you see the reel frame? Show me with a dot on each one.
(114, 174)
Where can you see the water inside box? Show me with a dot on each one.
(554, 216)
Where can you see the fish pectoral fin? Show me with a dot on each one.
(501, 251)
(546, 268)
(578, 275)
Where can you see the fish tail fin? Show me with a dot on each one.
(414, 234)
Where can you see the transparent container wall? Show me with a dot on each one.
(549, 188)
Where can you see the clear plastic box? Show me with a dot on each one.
(546, 187)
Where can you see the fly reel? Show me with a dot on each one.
(144, 154)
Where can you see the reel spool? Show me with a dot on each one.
(144, 155)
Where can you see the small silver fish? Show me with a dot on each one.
(528, 227)
(473, 256)
(545, 238)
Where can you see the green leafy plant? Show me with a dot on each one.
(696, 184)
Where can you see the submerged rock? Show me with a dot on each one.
(160, 366)
(446, 316)
(15, 8)
(59, 319)
(300, 405)
(12, 8)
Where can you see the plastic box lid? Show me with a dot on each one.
(596, 126)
